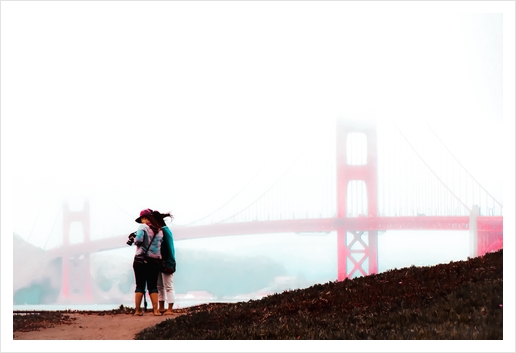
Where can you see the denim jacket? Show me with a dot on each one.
(142, 239)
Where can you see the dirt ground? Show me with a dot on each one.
(84, 326)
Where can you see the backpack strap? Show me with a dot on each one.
(148, 246)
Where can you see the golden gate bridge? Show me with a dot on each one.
(363, 180)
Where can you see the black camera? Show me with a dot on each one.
(131, 238)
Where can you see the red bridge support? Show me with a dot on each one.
(489, 234)
(352, 248)
(486, 233)
(76, 277)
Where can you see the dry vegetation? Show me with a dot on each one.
(461, 300)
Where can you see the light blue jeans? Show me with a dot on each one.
(166, 288)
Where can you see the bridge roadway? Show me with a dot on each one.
(282, 226)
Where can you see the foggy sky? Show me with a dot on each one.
(172, 116)
(176, 105)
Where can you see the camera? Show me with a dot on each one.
(131, 238)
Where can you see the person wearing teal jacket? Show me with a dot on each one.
(168, 255)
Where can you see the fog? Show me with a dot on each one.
(178, 106)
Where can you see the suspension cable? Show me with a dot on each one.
(429, 168)
(231, 199)
(51, 230)
(35, 220)
(460, 164)
(281, 177)
(122, 209)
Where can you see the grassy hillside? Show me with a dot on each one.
(461, 300)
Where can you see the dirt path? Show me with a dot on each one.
(95, 327)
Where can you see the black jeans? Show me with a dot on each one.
(146, 275)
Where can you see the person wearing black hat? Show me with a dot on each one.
(147, 259)
(168, 255)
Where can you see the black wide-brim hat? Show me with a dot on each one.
(144, 213)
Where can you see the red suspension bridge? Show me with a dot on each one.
(374, 182)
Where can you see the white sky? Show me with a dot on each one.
(167, 105)
(176, 105)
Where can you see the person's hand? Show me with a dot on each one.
(131, 238)
(159, 219)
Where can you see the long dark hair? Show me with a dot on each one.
(153, 218)
(163, 215)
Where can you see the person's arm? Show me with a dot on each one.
(169, 241)
(138, 239)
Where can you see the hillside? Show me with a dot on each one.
(26, 271)
(35, 278)
(461, 300)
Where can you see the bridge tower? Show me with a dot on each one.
(76, 277)
(356, 246)
(486, 233)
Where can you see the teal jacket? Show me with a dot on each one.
(168, 252)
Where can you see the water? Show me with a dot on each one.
(54, 307)
(102, 307)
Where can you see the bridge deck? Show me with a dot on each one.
(289, 226)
